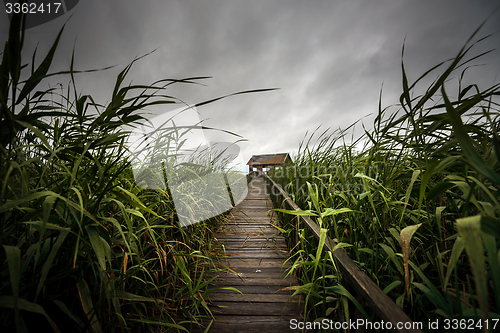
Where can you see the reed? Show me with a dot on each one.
(82, 247)
(416, 200)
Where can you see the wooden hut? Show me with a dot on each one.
(263, 163)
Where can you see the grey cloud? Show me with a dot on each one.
(328, 57)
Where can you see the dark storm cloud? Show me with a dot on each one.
(329, 58)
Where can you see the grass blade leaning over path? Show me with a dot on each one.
(83, 247)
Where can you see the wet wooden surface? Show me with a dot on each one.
(257, 254)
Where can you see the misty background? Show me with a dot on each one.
(329, 59)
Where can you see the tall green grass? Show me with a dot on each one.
(82, 247)
(421, 194)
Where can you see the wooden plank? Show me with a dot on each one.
(251, 227)
(263, 218)
(247, 237)
(254, 245)
(236, 282)
(251, 230)
(250, 290)
(251, 224)
(251, 271)
(256, 272)
(256, 308)
(252, 216)
(244, 227)
(243, 235)
(254, 220)
(245, 231)
(229, 246)
(234, 262)
(248, 320)
(260, 251)
(253, 198)
(266, 206)
(253, 235)
(242, 232)
(260, 221)
(249, 324)
(261, 211)
(254, 255)
(263, 298)
(255, 242)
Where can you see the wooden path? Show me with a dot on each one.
(256, 252)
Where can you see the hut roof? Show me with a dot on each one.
(269, 159)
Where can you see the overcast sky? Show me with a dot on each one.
(329, 58)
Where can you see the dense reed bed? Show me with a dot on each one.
(414, 201)
(82, 247)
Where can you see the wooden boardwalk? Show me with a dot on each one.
(256, 253)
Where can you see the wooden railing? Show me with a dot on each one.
(362, 285)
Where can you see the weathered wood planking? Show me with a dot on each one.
(257, 254)
(383, 306)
